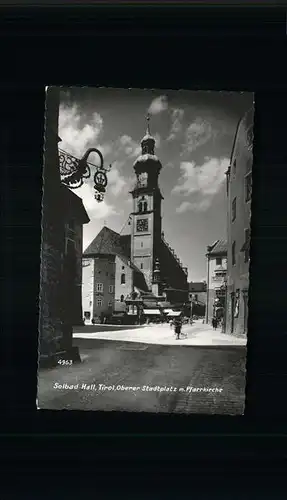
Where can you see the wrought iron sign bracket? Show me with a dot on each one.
(74, 171)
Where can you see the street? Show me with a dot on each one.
(196, 334)
(126, 375)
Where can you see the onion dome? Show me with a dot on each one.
(148, 146)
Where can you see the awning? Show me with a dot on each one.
(167, 311)
(153, 312)
(174, 313)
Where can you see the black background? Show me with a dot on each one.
(163, 47)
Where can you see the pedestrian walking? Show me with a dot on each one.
(177, 328)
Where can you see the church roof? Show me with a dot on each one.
(107, 241)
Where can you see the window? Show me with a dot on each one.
(233, 210)
(99, 302)
(100, 287)
(123, 279)
(122, 298)
(141, 244)
(248, 187)
(142, 205)
(219, 274)
(87, 314)
(218, 261)
(111, 288)
(107, 274)
(90, 303)
(110, 304)
(220, 293)
(123, 268)
(141, 265)
(233, 256)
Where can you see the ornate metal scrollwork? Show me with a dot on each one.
(73, 171)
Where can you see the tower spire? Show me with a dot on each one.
(148, 141)
(148, 126)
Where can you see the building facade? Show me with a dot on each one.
(216, 280)
(141, 262)
(239, 189)
(63, 216)
(198, 297)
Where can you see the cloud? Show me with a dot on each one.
(198, 133)
(128, 146)
(202, 182)
(169, 165)
(201, 206)
(116, 182)
(176, 123)
(205, 179)
(105, 149)
(94, 209)
(157, 138)
(77, 130)
(158, 105)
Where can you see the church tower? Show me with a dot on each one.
(146, 215)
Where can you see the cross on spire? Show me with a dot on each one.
(148, 120)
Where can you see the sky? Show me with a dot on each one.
(194, 133)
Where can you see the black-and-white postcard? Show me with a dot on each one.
(145, 250)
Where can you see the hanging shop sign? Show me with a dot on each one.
(74, 171)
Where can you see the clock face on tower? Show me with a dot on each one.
(142, 225)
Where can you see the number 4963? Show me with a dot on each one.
(65, 362)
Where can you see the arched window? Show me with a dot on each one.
(142, 205)
(122, 298)
(123, 279)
